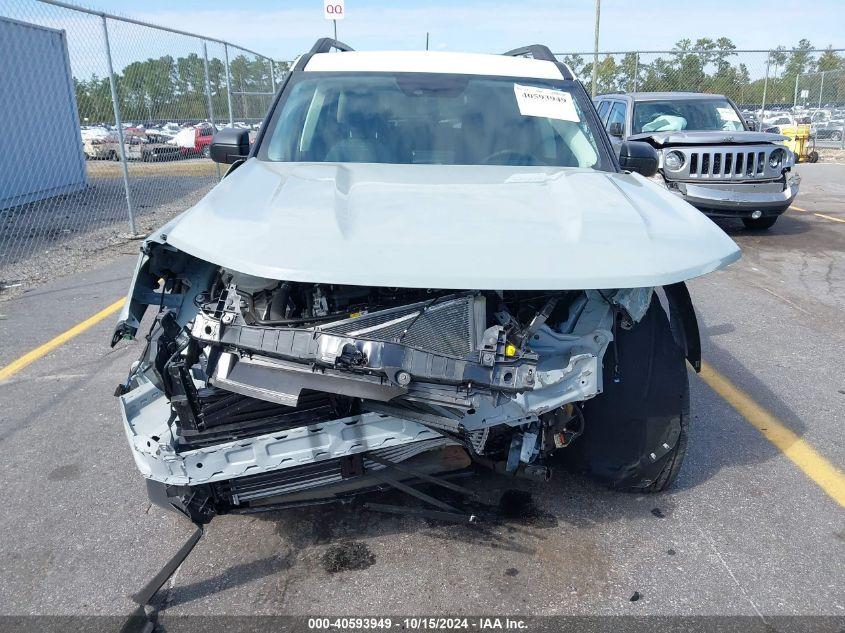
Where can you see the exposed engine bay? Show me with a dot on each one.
(256, 392)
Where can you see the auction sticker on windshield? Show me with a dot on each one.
(545, 102)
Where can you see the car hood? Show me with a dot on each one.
(438, 226)
(713, 137)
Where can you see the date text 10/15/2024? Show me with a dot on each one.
(417, 624)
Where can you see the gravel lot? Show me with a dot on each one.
(66, 234)
(744, 533)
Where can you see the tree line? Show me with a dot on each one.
(708, 65)
(169, 88)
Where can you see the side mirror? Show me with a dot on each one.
(638, 156)
(615, 129)
(229, 145)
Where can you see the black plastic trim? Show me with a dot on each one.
(537, 51)
(684, 323)
(541, 52)
(325, 44)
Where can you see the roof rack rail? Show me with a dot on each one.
(537, 51)
(541, 52)
(325, 44)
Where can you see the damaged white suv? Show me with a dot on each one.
(426, 261)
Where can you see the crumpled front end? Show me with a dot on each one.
(252, 392)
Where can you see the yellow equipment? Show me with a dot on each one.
(801, 142)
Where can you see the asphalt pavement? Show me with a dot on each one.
(743, 532)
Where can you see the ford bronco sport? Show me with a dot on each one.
(426, 261)
(708, 154)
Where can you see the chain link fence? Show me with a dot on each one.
(768, 85)
(107, 123)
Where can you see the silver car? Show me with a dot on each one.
(709, 156)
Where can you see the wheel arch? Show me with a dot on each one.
(684, 323)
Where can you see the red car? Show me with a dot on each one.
(196, 140)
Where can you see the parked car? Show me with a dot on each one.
(426, 260)
(830, 130)
(708, 155)
(137, 146)
(195, 140)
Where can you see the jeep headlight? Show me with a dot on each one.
(673, 161)
(776, 158)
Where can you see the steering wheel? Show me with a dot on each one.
(511, 157)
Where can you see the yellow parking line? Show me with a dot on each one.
(42, 350)
(827, 476)
(819, 215)
(829, 217)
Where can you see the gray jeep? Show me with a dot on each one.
(708, 153)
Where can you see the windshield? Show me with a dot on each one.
(417, 118)
(685, 114)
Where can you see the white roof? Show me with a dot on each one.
(434, 62)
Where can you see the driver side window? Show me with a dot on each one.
(604, 106)
(617, 115)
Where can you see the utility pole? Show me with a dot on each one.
(596, 50)
(426, 40)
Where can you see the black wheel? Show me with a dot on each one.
(836, 136)
(206, 151)
(759, 224)
(813, 156)
(115, 156)
(145, 157)
(636, 430)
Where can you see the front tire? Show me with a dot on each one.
(759, 224)
(206, 151)
(636, 431)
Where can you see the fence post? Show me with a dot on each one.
(228, 86)
(119, 123)
(765, 89)
(842, 138)
(636, 70)
(795, 97)
(821, 90)
(272, 77)
(594, 81)
(208, 94)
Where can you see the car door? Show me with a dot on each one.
(132, 146)
(615, 124)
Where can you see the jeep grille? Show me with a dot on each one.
(719, 164)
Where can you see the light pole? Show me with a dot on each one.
(596, 50)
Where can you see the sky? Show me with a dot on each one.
(284, 28)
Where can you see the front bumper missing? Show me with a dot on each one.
(370, 356)
(412, 399)
(145, 412)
